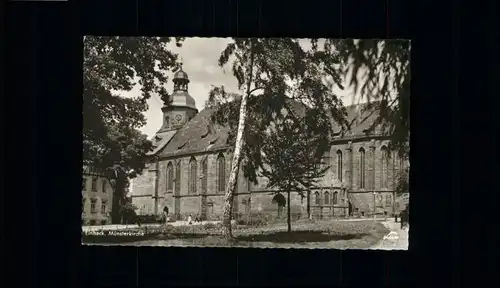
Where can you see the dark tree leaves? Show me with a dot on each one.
(118, 64)
(291, 152)
(284, 79)
(387, 85)
(111, 140)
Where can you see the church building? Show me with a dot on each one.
(189, 168)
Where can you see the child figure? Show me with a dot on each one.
(165, 215)
(190, 219)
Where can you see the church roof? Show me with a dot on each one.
(160, 140)
(181, 75)
(199, 135)
(360, 118)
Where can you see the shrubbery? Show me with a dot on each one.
(149, 219)
(254, 219)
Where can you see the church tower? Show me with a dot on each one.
(179, 107)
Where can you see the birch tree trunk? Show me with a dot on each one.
(289, 220)
(240, 141)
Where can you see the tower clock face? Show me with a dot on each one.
(178, 118)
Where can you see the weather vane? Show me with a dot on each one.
(181, 62)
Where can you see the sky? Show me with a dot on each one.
(199, 57)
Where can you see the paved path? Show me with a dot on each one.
(394, 244)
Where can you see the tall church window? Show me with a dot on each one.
(192, 175)
(383, 166)
(327, 198)
(335, 198)
(204, 180)
(361, 168)
(339, 165)
(178, 178)
(103, 187)
(388, 200)
(221, 173)
(170, 177)
(317, 198)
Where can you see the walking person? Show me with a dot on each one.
(165, 215)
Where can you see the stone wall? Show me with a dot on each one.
(383, 201)
(261, 196)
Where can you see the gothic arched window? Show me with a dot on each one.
(192, 175)
(361, 168)
(204, 180)
(339, 165)
(383, 167)
(178, 178)
(335, 198)
(317, 198)
(388, 200)
(327, 198)
(170, 177)
(221, 173)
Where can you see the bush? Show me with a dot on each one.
(255, 219)
(210, 226)
(149, 219)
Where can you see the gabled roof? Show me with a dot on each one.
(360, 118)
(198, 135)
(160, 140)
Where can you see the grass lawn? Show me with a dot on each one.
(305, 234)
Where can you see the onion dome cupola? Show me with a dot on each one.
(181, 97)
(179, 108)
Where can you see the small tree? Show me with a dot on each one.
(402, 182)
(269, 71)
(122, 156)
(385, 84)
(291, 154)
(403, 185)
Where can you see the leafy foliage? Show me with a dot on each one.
(118, 64)
(402, 182)
(385, 84)
(282, 71)
(111, 141)
(272, 71)
(291, 153)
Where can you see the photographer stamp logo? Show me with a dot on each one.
(391, 239)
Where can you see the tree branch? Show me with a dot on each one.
(254, 89)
